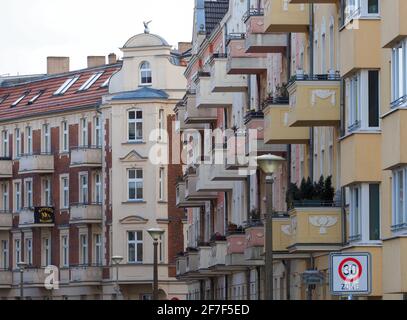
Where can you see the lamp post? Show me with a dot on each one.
(116, 261)
(22, 265)
(269, 164)
(156, 234)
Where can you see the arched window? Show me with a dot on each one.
(145, 73)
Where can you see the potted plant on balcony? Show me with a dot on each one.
(217, 237)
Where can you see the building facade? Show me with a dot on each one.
(77, 184)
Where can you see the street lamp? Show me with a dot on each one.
(116, 261)
(22, 265)
(269, 164)
(156, 234)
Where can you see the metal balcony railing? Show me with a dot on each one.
(252, 12)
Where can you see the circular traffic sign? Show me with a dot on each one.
(350, 270)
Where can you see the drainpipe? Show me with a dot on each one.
(288, 280)
(311, 73)
(311, 287)
(258, 283)
(288, 56)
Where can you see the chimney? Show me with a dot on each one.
(96, 61)
(112, 58)
(57, 65)
(184, 46)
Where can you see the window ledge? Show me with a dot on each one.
(361, 131)
(162, 202)
(135, 202)
(134, 142)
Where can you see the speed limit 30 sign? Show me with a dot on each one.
(350, 274)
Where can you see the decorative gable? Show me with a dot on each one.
(133, 220)
(133, 156)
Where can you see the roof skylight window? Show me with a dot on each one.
(90, 81)
(15, 103)
(106, 83)
(66, 85)
(36, 97)
(3, 98)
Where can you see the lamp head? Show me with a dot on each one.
(117, 259)
(269, 163)
(22, 264)
(155, 233)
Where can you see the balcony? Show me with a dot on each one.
(180, 125)
(315, 228)
(33, 277)
(6, 279)
(191, 193)
(255, 146)
(86, 157)
(86, 213)
(394, 261)
(223, 82)
(276, 126)
(218, 170)
(393, 23)
(181, 202)
(218, 254)
(281, 233)
(259, 42)
(255, 239)
(181, 265)
(281, 16)
(194, 115)
(314, 1)
(27, 219)
(204, 257)
(361, 157)
(6, 168)
(192, 259)
(86, 274)
(394, 130)
(6, 220)
(205, 98)
(205, 184)
(360, 46)
(241, 62)
(314, 101)
(235, 249)
(37, 163)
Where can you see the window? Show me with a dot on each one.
(135, 126)
(98, 187)
(66, 85)
(161, 185)
(355, 214)
(161, 249)
(65, 136)
(135, 247)
(29, 140)
(65, 251)
(374, 212)
(5, 145)
(83, 180)
(84, 132)
(98, 132)
(98, 249)
(331, 47)
(399, 71)
(46, 138)
(359, 8)
(47, 251)
(15, 103)
(65, 192)
(36, 97)
(93, 78)
(160, 124)
(84, 249)
(135, 184)
(373, 6)
(17, 251)
(29, 251)
(106, 83)
(3, 98)
(28, 194)
(17, 196)
(145, 73)
(5, 198)
(4, 254)
(323, 54)
(399, 199)
(354, 103)
(47, 192)
(17, 152)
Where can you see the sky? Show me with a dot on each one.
(31, 30)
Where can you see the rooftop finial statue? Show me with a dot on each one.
(146, 29)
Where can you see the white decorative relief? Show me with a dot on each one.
(294, 225)
(286, 229)
(323, 94)
(323, 222)
(285, 5)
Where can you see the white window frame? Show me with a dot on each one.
(137, 182)
(29, 251)
(64, 191)
(97, 178)
(17, 252)
(161, 116)
(65, 251)
(65, 137)
(399, 208)
(5, 206)
(47, 191)
(97, 131)
(355, 213)
(28, 193)
(84, 142)
(399, 72)
(47, 251)
(83, 188)
(5, 144)
(17, 196)
(46, 138)
(66, 85)
(136, 121)
(145, 72)
(29, 140)
(17, 151)
(97, 242)
(88, 83)
(161, 184)
(84, 253)
(5, 254)
(136, 244)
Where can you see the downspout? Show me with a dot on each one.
(288, 57)
(342, 133)
(311, 73)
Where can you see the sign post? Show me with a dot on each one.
(350, 274)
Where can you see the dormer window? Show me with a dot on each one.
(66, 85)
(145, 74)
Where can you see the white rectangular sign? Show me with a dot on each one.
(350, 273)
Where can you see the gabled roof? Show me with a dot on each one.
(48, 102)
(141, 94)
(214, 13)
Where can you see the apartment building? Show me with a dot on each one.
(327, 80)
(77, 184)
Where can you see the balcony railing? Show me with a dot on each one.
(86, 273)
(235, 36)
(86, 156)
(253, 12)
(86, 213)
(37, 163)
(6, 220)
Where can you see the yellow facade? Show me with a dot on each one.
(394, 25)
(394, 144)
(280, 16)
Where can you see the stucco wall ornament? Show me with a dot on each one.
(323, 94)
(323, 222)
